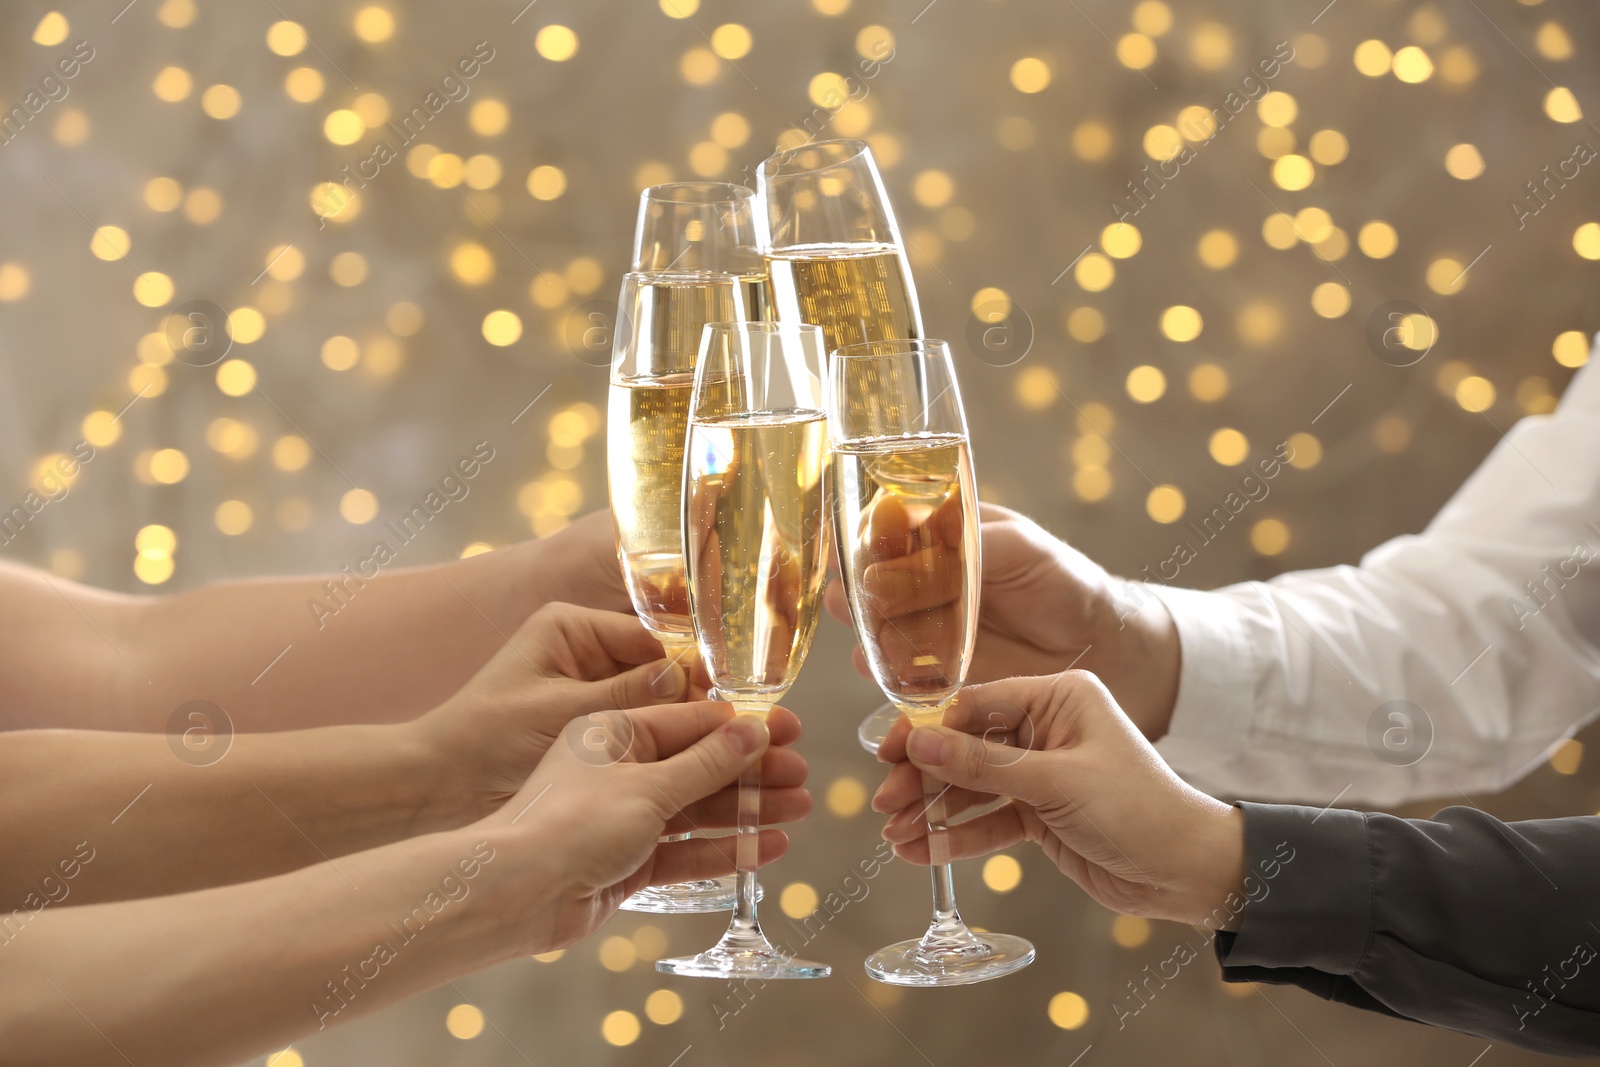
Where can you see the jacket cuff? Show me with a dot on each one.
(1317, 912)
(1216, 677)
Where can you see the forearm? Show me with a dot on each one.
(229, 973)
(278, 654)
(1458, 921)
(159, 818)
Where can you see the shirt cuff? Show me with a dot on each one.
(1216, 678)
(1316, 913)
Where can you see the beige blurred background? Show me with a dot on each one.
(371, 350)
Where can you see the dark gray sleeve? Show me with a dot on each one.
(1460, 921)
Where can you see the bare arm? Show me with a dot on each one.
(281, 654)
(221, 974)
(89, 816)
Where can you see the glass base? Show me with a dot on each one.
(683, 898)
(916, 963)
(733, 959)
(875, 727)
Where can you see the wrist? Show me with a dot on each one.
(447, 768)
(1143, 655)
(1214, 867)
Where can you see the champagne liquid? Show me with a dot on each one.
(757, 544)
(646, 425)
(645, 428)
(906, 516)
(855, 292)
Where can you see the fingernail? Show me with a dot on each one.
(927, 747)
(667, 681)
(747, 734)
(877, 797)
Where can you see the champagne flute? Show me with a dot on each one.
(905, 515)
(690, 236)
(661, 315)
(836, 259)
(704, 226)
(754, 530)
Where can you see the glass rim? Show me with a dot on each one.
(804, 329)
(889, 347)
(679, 274)
(736, 193)
(773, 165)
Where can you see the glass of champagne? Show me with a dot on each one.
(661, 315)
(836, 260)
(905, 518)
(754, 531)
(704, 226)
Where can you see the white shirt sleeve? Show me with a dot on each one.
(1488, 621)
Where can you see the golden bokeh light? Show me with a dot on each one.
(556, 43)
(109, 243)
(236, 377)
(846, 797)
(1475, 393)
(304, 84)
(286, 38)
(1373, 58)
(233, 517)
(1086, 325)
(547, 182)
(358, 506)
(1269, 537)
(1030, 74)
(464, 1022)
(663, 1007)
(1463, 161)
(1228, 447)
(1571, 349)
(1164, 504)
(1146, 384)
(1002, 873)
(1586, 240)
(153, 289)
(172, 84)
(1181, 323)
(502, 327)
(1208, 383)
(1068, 1010)
(1091, 141)
(1094, 272)
(620, 1028)
(221, 101)
(1377, 239)
(374, 24)
(1412, 65)
(731, 41)
(1330, 300)
(798, 900)
(1562, 106)
(1130, 931)
(52, 29)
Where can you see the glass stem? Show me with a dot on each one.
(747, 845)
(947, 932)
(744, 929)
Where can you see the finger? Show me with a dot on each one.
(608, 641)
(671, 728)
(924, 579)
(987, 833)
(660, 682)
(893, 749)
(720, 811)
(714, 761)
(1006, 706)
(912, 821)
(707, 857)
(901, 788)
(973, 763)
(863, 668)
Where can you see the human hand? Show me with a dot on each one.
(1078, 780)
(585, 828)
(578, 565)
(563, 663)
(1045, 607)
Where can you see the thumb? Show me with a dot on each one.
(661, 682)
(973, 763)
(715, 761)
